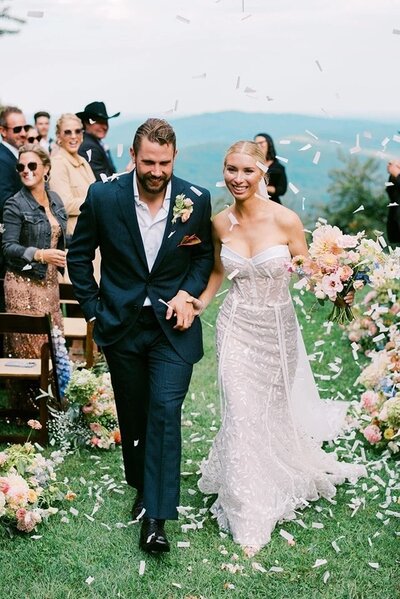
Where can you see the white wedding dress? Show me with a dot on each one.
(266, 460)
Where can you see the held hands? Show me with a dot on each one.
(182, 309)
(349, 297)
(51, 256)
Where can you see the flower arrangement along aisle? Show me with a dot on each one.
(380, 403)
(90, 417)
(28, 485)
(379, 309)
(337, 264)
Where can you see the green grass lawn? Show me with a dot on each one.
(72, 548)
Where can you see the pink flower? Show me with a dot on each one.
(358, 285)
(188, 202)
(35, 424)
(372, 434)
(328, 261)
(369, 401)
(185, 215)
(95, 427)
(95, 441)
(348, 241)
(26, 521)
(87, 409)
(331, 285)
(325, 240)
(345, 272)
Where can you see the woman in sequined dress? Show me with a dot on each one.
(34, 221)
(266, 461)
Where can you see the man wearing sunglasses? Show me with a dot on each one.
(13, 131)
(95, 122)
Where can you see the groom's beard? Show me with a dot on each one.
(153, 184)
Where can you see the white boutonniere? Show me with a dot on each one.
(183, 208)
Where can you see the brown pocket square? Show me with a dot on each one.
(189, 240)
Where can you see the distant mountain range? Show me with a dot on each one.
(309, 144)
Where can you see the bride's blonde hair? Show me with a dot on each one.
(246, 147)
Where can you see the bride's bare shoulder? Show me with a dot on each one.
(286, 218)
(220, 221)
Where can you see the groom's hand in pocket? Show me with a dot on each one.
(182, 310)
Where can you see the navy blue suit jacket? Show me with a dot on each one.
(108, 220)
(100, 160)
(10, 183)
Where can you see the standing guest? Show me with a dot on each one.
(34, 248)
(393, 191)
(42, 124)
(95, 121)
(32, 135)
(154, 234)
(277, 180)
(71, 174)
(13, 129)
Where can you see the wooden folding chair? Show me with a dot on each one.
(41, 370)
(75, 325)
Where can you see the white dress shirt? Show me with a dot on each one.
(151, 229)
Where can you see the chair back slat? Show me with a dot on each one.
(23, 323)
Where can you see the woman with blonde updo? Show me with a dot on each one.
(71, 174)
(266, 460)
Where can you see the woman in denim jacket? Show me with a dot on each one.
(34, 228)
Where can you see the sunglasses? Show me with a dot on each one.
(32, 166)
(32, 139)
(69, 132)
(19, 128)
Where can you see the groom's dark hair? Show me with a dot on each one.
(156, 130)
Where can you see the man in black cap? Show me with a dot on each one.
(95, 122)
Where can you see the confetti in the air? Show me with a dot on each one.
(310, 133)
(293, 188)
(318, 65)
(316, 158)
(35, 14)
(120, 150)
(182, 19)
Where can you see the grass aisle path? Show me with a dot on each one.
(99, 543)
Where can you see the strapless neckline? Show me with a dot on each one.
(272, 251)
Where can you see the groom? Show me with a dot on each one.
(154, 234)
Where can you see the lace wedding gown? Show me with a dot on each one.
(266, 460)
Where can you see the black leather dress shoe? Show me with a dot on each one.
(152, 536)
(137, 507)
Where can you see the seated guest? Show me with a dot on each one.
(34, 248)
(95, 121)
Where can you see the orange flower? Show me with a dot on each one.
(117, 436)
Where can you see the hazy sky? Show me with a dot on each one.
(147, 57)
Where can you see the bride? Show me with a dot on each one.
(266, 460)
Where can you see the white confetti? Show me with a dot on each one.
(196, 191)
(36, 14)
(374, 565)
(262, 166)
(304, 148)
(89, 580)
(120, 150)
(286, 535)
(182, 19)
(317, 525)
(73, 511)
(276, 569)
(142, 567)
(285, 141)
(320, 562)
(326, 576)
(318, 65)
(316, 158)
(293, 188)
(183, 544)
(282, 159)
(359, 209)
(258, 567)
(312, 134)
(220, 184)
(335, 546)
(385, 141)
(36, 537)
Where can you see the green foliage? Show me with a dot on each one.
(357, 184)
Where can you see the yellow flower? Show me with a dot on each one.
(70, 495)
(389, 433)
(32, 496)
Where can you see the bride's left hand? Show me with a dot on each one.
(349, 297)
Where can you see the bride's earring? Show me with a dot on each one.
(46, 177)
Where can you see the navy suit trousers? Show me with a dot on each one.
(150, 381)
